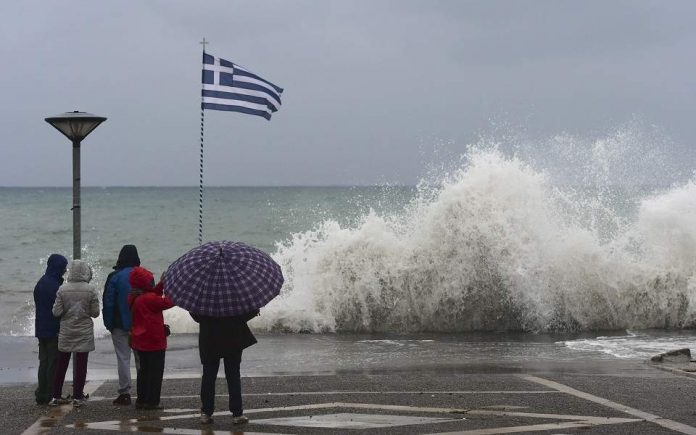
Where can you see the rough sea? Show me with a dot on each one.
(494, 244)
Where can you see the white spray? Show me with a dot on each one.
(495, 247)
(499, 245)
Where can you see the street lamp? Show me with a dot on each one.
(76, 126)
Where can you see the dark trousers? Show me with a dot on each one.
(48, 353)
(234, 384)
(79, 374)
(150, 374)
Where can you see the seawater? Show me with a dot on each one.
(497, 243)
(498, 246)
(163, 224)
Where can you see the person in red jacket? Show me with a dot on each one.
(148, 336)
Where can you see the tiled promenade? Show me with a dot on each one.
(621, 398)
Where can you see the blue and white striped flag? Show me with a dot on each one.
(228, 86)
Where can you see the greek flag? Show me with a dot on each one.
(228, 86)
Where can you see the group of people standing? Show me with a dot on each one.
(132, 309)
(64, 327)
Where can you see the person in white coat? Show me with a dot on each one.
(76, 304)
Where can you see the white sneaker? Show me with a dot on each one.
(240, 420)
(79, 402)
(206, 419)
(57, 401)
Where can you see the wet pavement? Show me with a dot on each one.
(326, 354)
(606, 397)
(472, 384)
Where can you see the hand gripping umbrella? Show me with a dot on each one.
(223, 278)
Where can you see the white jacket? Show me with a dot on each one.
(76, 303)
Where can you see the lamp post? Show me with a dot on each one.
(76, 126)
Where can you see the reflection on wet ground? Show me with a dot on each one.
(399, 383)
(403, 402)
(291, 354)
(50, 420)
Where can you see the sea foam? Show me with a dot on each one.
(496, 246)
(502, 241)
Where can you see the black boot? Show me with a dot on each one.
(122, 399)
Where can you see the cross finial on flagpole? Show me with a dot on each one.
(204, 43)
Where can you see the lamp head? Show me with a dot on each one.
(75, 125)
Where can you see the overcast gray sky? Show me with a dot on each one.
(371, 87)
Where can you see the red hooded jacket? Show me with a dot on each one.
(147, 330)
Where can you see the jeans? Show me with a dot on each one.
(79, 374)
(150, 372)
(234, 385)
(48, 354)
(123, 355)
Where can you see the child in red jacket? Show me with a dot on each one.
(148, 336)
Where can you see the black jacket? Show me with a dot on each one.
(46, 325)
(221, 337)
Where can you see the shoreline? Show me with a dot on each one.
(326, 354)
(281, 354)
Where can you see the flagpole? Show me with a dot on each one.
(200, 181)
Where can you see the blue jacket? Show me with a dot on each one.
(46, 326)
(116, 312)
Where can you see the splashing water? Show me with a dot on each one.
(493, 244)
(496, 247)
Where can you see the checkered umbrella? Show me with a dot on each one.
(222, 279)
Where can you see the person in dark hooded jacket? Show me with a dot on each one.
(46, 325)
(117, 317)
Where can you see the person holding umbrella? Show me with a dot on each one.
(223, 338)
(223, 284)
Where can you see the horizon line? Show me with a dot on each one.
(210, 186)
(176, 186)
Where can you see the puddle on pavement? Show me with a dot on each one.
(349, 420)
(48, 421)
(505, 407)
(131, 425)
(148, 418)
(149, 429)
